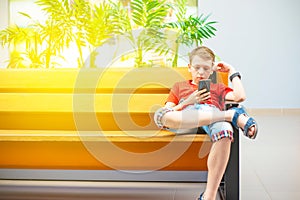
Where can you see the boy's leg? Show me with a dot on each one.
(221, 134)
(187, 119)
(159, 114)
(193, 118)
(217, 162)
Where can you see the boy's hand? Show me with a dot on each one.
(223, 67)
(203, 96)
(197, 97)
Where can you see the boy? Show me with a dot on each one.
(186, 109)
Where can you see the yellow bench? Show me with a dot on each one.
(93, 119)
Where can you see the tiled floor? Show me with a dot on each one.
(270, 164)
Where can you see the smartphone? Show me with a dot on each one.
(205, 83)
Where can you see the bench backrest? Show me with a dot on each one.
(48, 99)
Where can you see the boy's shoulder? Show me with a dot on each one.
(183, 85)
(185, 82)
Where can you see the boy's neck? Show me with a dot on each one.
(193, 82)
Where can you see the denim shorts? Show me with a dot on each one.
(216, 131)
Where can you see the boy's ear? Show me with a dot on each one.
(189, 67)
(212, 68)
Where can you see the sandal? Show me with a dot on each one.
(201, 197)
(250, 122)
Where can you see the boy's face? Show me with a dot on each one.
(200, 68)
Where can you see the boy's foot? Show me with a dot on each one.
(241, 123)
(241, 120)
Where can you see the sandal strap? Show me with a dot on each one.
(201, 197)
(238, 111)
(250, 122)
(235, 117)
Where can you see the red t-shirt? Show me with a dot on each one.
(182, 90)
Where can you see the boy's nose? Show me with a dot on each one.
(200, 71)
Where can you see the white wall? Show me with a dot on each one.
(261, 38)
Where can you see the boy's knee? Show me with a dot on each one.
(159, 117)
(224, 134)
(170, 121)
(224, 140)
(221, 130)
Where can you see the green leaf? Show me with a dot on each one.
(203, 33)
(209, 30)
(211, 27)
(25, 14)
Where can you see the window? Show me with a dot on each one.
(24, 6)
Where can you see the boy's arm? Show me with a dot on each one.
(195, 97)
(173, 105)
(238, 94)
(179, 106)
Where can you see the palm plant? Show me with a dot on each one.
(191, 30)
(147, 16)
(121, 21)
(99, 28)
(64, 24)
(194, 29)
(12, 36)
(86, 24)
(53, 35)
(42, 42)
(16, 37)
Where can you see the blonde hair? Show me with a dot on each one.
(203, 52)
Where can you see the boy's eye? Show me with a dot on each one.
(203, 68)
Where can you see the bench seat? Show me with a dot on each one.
(28, 149)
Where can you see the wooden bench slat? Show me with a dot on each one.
(110, 80)
(104, 103)
(113, 136)
(66, 150)
(43, 111)
(81, 121)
